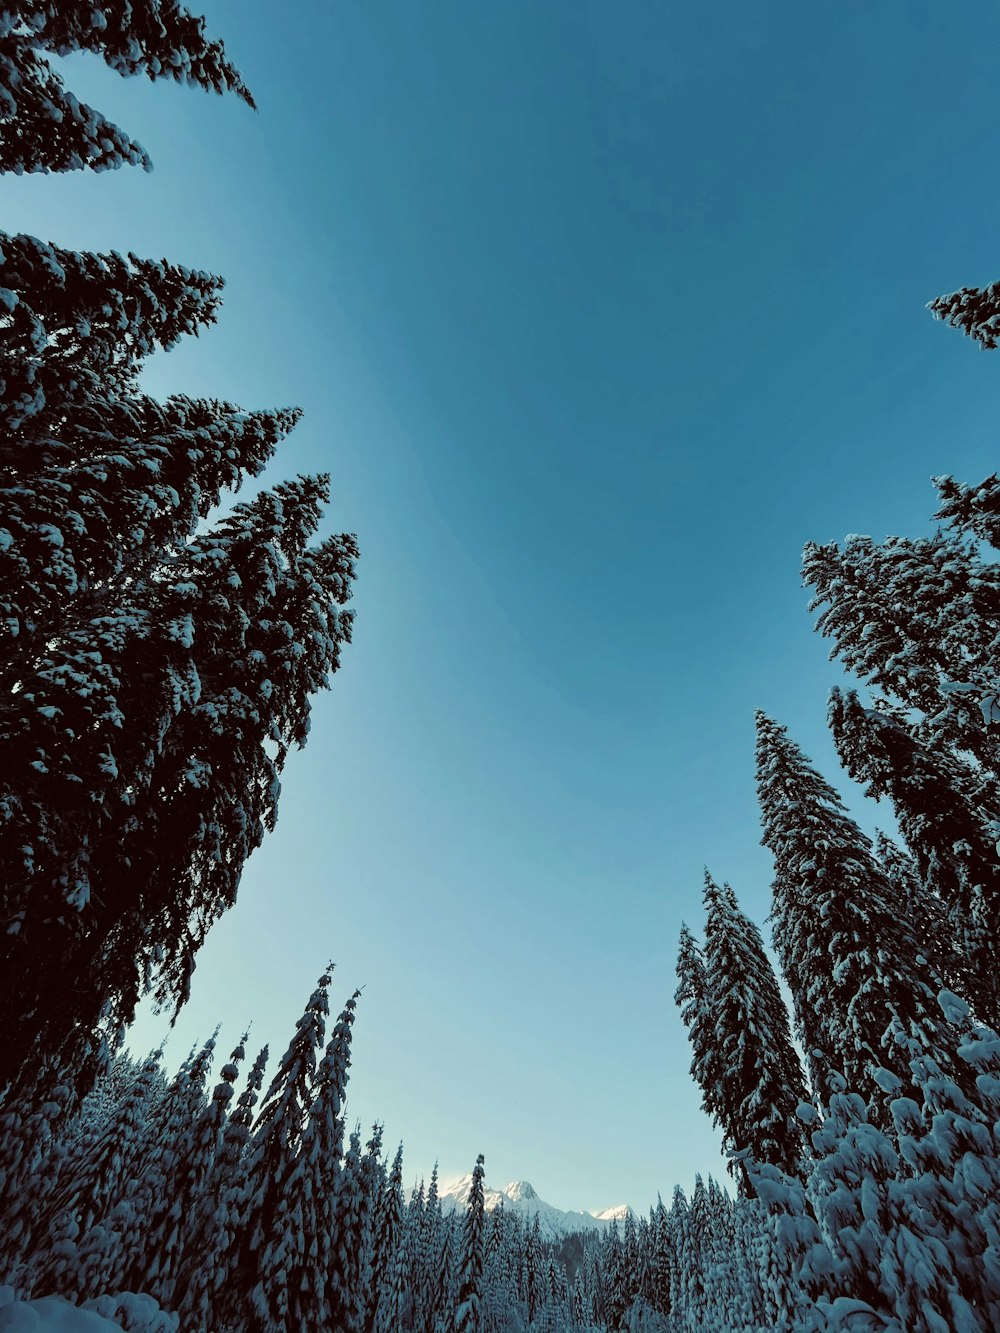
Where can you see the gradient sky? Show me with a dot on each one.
(597, 313)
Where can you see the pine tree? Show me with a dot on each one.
(43, 127)
(388, 1242)
(915, 619)
(467, 1316)
(760, 1077)
(213, 1223)
(937, 801)
(301, 1268)
(181, 1145)
(532, 1267)
(270, 1160)
(695, 1003)
(201, 686)
(429, 1252)
(358, 1190)
(850, 961)
(974, 310)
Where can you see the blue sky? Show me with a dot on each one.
(597, 313)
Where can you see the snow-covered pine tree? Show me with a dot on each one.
(427, 1263)
(695, 1003)
(761, 1079)
(32, 1150)
(849, 958)
(974, 310)
(937, 798)
(971, 510)
(358, 1190)
(916, 619)
(214, 1220)
(76, 328)
(533, 1267)
(467, 1314)
(175, 712)
(388, 1241)
(270, 1159)
(661, 1258)
(93, 1178)
(301, 1267)
(181, 1142)
(43, 126)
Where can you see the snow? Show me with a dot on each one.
(130, 1311)
(521, 1197)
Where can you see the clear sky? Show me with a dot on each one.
(597, 313)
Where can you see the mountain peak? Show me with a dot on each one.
(519, 1189)
(520, 1197)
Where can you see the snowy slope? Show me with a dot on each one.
(520, 1197)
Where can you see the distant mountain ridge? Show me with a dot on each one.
(519, 1196)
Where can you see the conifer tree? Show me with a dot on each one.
(937, 800)
(43, 127)
(974, 310)
(915, 619)
(270, 1160)
(387, 1243)
(695, 1003)
(850, 961)
(296, 1270)
(154, 676)
(186, 719)
(761, 1081)
(467, 1315)
(217, 1217)
(358, 1189)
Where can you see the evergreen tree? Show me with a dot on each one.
(385, 1255)
(695, 1003)
(850, 961)
(215, 1220)
(915, 618)
(761, 1080)
(182, 1142)
(183, 724)
(296, 1270)
(533, 1267)
(974, 310)
(467, 1316)
(43, 127)
(358, 1189)
(936, 798)
(270, 1161)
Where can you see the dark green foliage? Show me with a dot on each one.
(43, 127)
(974, 310)
(761, 1083)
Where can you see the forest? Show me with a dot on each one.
(162, 644)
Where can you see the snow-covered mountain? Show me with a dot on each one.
(520, 1197)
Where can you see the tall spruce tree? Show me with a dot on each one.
(153, 677)
(388, 1241)
(217, 1215)
(140, 777)
(937, 801)
(468, 1316)
(850, 959)
(695, 1002)
(299, 1265)
(974, 310)
(270, 1160)
(762, 1083)
(43, 127)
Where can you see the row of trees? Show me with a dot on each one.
(876, 1157)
